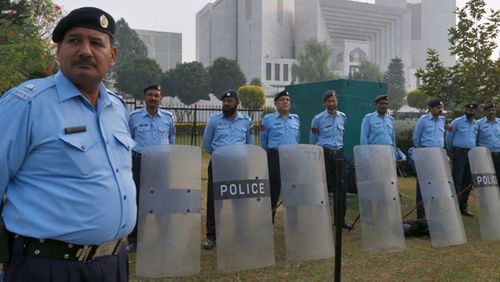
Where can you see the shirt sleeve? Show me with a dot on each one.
(171, 134)
(16, 133)
(450, 135)
(208, 135)
(263, 135)
(249, 137)
(365, 130)
(313, 135)
(298, 135)
(131, 126)
(417, 132)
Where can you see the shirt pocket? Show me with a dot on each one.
(79, 149)
(123, 150)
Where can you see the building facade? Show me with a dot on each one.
(164, 47)
(265, 36)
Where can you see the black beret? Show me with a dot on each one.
(154, 86)
(231, 93)
(281, 94)
(88, 17)
(489, 106)
(381, 97)
(471, 106)
(328, 94)
(434, 102)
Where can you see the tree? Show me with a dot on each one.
(417, 99)
(188, 81)
(368, 71)
(135, 74)
(312, 62)
(25, 46)
(474, 77)
(225, 74)
(252, 97)
(128, 43)
(395, 79)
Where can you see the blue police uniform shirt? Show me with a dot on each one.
(75, 186)
(150, 130)
(489, 134)
(328, 130)
(221, 131)
(276, 130)
(462, 133)
(429, 131)
(378, 129)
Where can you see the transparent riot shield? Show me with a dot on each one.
(439, 197)
(308, 232)
(379, 203)
(485, 183)
(169, 211)
(243, 219)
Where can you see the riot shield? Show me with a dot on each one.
(169, 211)
(485, 182)
(308, 232)
(439, 197)
(378, 195)
(243, 219)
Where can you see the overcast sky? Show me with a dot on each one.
(170, 15)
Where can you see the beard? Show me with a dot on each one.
(228, 111)
(469, 116)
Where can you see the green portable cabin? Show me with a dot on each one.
(355, 100)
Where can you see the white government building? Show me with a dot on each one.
(265, 36)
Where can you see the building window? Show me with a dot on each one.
(248, 10)
(268, 71)
(285, 72)
(280, 11)
(276, 72)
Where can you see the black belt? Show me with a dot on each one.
(335, 152)
(462, 150)
(53, 249)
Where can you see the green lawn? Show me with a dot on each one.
(475, 261)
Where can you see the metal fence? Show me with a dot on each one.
(191, 120)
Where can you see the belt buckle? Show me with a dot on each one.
(107, 249)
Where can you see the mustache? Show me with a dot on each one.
(84, 61)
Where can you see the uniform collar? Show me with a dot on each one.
(328, 114)
(145, 112)
(67, 90)
(278, 115)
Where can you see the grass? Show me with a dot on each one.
(475, 261)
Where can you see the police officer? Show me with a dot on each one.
(65, 165)
(378, 127)
(327, 130)
(227, 128)
(148, 126)
(461, 137)
(489, 134)
(429, 132)
(277, 129)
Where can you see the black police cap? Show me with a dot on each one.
(489, 106)
(281, 94)
(434, 102)
(88, 17)
(381, 97)
(231, 93)
(470, 106)
(328, 94)
(154, 87)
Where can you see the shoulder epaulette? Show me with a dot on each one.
(31, 88)
(166, 112)
(294, 115)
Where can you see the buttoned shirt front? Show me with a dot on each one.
(462, 133)
(328, 130)
(429, 131)
(150, 130)
(378, 129)
(489, 134)
(221, 131)
(65, 165)
(277, 130)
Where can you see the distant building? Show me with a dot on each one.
(164, 47)
(265, 36)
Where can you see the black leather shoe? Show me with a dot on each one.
(209, 244)
(347, 226)
(466, 212)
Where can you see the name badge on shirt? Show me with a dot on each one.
(75, 129)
